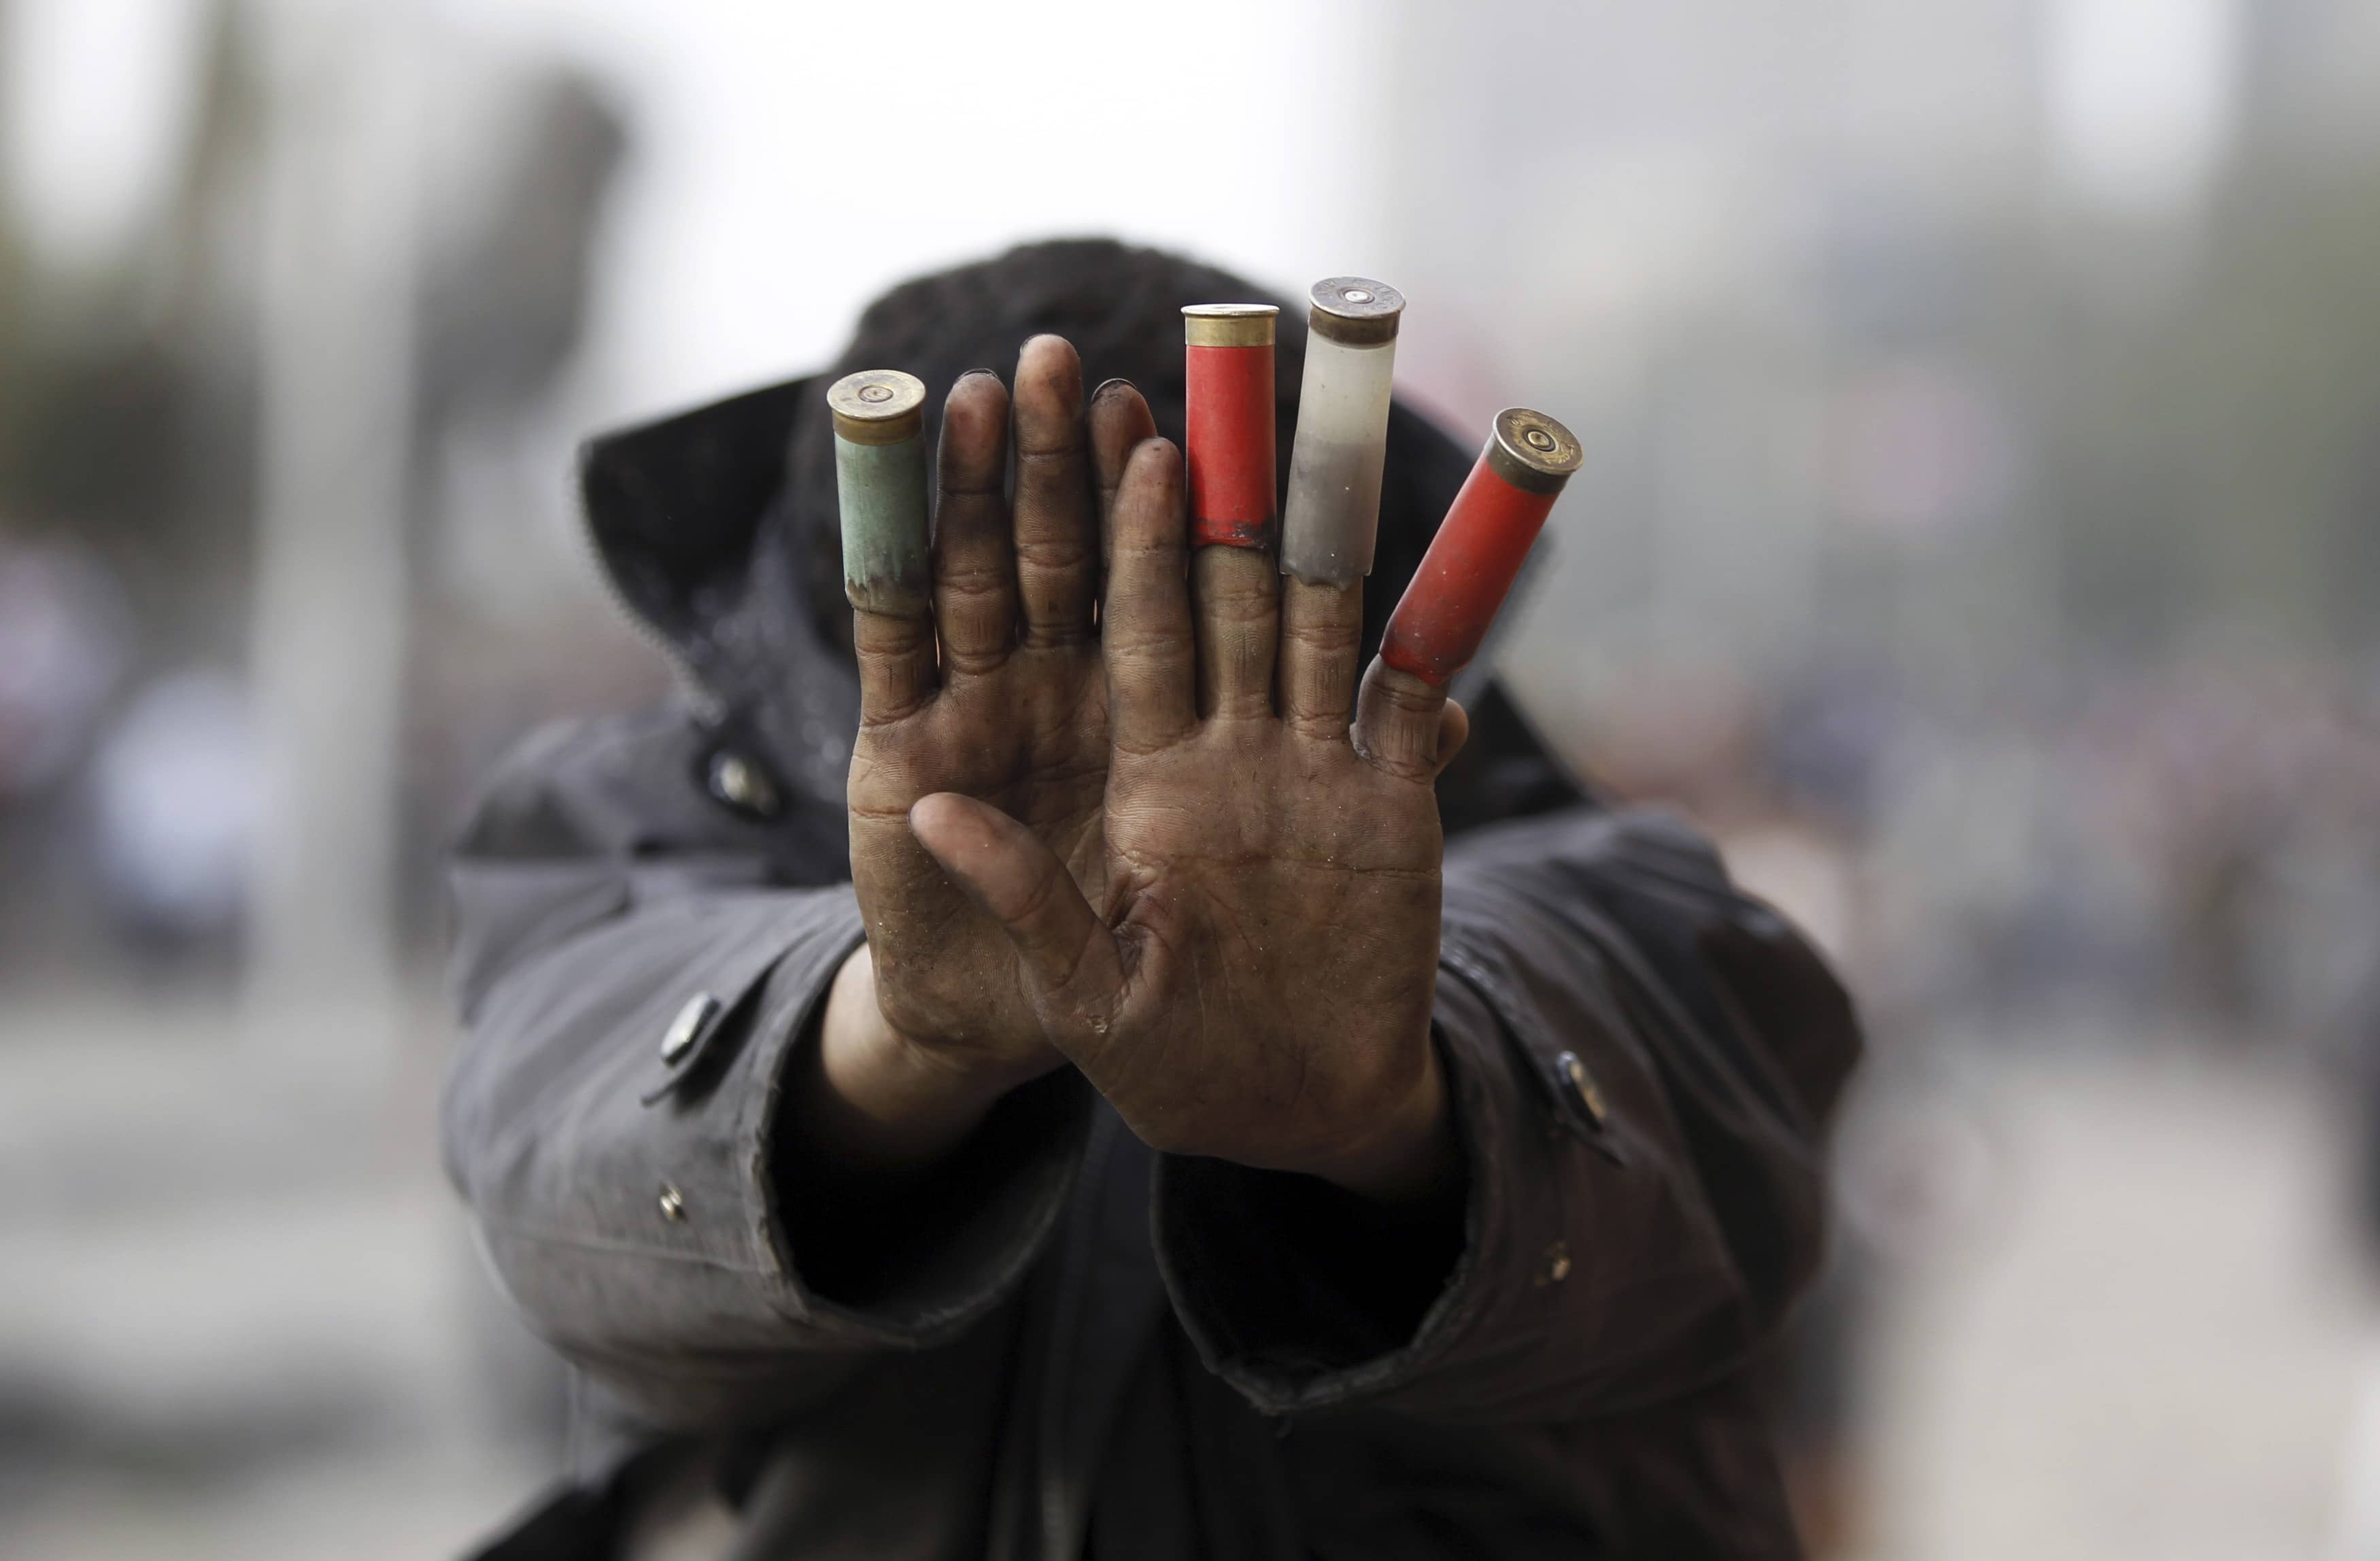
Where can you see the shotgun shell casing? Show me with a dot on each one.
(1333, 514)
(879, 480)
(1480, 546)
(1227, 353)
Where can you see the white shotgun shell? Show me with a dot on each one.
(1333, 514)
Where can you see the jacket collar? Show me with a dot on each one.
(679, 510)
(674, 507)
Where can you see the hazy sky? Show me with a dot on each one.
(795, 158)
(792, 158)
(93, 108)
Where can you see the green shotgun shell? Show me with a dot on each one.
(879, 478)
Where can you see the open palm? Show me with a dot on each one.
(999, 692)
(1251, 972)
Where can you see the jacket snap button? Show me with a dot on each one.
(673, 1204)
(677, 1041)
(1581, 1084)
(739, 782)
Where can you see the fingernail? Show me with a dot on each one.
(971, 373)
(1115, 384)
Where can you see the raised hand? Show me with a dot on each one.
(1251, 971)
(996, 690)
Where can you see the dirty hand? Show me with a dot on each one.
(1247, 970)
(997, 692)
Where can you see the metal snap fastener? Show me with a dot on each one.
(677, 1041)
(1581, 1084)
(741, 784)
(673, 1206)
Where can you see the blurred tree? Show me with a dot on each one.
(125, 410)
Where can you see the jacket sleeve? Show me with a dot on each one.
(627, 1195)
(1643, 1062)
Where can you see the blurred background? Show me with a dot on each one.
(1980, 534)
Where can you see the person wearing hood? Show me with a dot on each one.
(1047, 1070)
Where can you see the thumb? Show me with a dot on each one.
(1069, 954)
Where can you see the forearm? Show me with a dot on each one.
(622, 1198)
(667, 1227)
(1620, 1034)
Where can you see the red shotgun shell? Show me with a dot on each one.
(1228, 350)
(1480, 546)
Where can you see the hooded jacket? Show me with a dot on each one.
(1067, 1345)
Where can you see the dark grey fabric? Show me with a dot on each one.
(1073, 1345)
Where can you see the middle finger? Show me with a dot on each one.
(1057, 541)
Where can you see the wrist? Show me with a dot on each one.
(1413, 1157)
(890, 1100)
